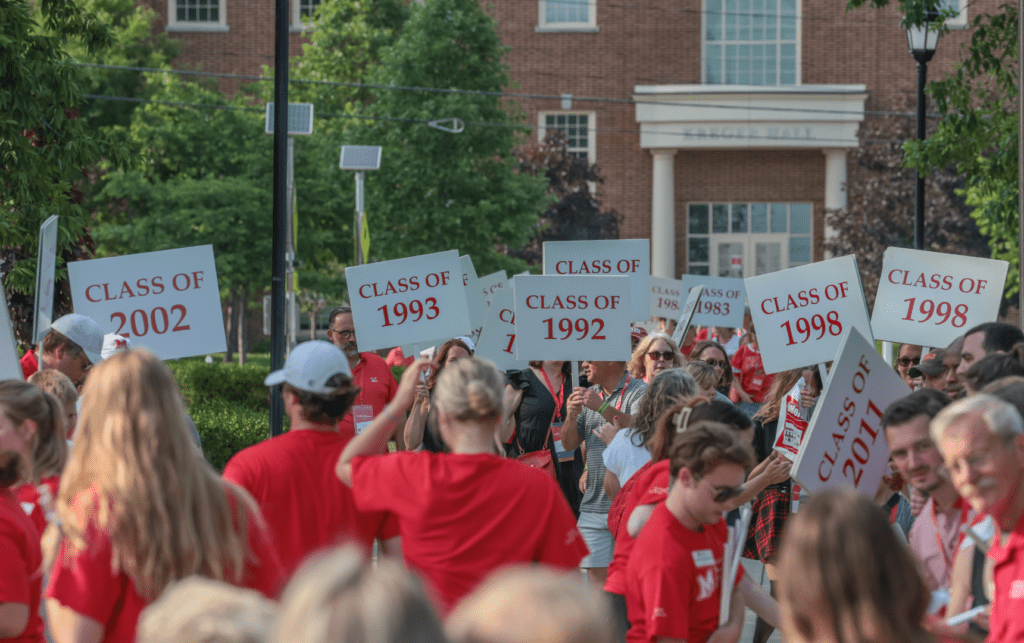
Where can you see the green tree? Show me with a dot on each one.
(978, 132)
(436, 190)
(45, 147)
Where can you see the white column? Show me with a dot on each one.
(663, 215)
(835, 185)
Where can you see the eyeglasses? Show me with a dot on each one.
(662, 355)
(344, 334)
(908, 361)
(720, 494)
(711, 362)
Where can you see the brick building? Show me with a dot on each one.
(723, 128)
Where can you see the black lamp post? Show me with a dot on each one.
(922, 40)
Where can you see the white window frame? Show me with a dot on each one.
(748, 239)
(173, 24)
(799, 44)
(542, 128)
(960, 21)
(297, 23)
(590, 26)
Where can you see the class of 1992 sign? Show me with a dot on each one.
(572, 318)
(167, 301)
(405, 301)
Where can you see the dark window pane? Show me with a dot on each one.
(739, 217)
(719, 218)
(698, 219)
(698, 250)
(759, 217)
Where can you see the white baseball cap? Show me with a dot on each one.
(83, 331)
(310, 365)
(114, 343)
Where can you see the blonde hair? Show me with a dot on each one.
(57, 384)
(200, 610)
(703, 373)
(338, 596)
(138, 476)
(470, 390)
(637, 366)
(21, 401)
(561, 609)
(845, 577)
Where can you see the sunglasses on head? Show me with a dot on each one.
(908, 361)
(711, 362)
(663, 355)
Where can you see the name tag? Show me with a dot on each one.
(556, 433)
(703, 558)
(362, 415)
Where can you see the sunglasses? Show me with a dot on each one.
(662, 355)
(722, 494)
(908, 361)
(711, 362)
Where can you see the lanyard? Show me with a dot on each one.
(561, 393)
(622, 393)
(964, 508)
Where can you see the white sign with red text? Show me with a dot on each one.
(474, 298)
(686, 317)
(498, 339)
(844, 445)
(405, 301)
(666, 298)
(629, 257)
(489, 284)
(10, 367)
(791, 431)
(801, 314)
(931, 298)
(572, 318)
(167, 301)
(722, 302)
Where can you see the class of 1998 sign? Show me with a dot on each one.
(167, 301)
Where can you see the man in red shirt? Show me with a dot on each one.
(373, 377)
(982, 441)
(674, 575)
(73, 345)
(292, 475)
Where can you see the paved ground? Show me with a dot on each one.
(756, 571)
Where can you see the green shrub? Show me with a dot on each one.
(227, 427)
(201, 383)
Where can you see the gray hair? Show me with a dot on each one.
(1002, 418)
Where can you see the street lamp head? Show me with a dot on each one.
(924, 38)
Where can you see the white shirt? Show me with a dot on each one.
(623, 457)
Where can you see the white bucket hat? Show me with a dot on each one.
(309, 366)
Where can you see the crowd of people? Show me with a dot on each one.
(458, 503)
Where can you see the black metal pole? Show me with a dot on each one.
(277, 284)
(922, 74)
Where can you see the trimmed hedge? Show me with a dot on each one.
(229, 404)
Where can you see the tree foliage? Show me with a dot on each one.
(45, 147)
(978, 133)
(574, 211)
(437, 190)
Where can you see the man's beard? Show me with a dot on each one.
(351, 350)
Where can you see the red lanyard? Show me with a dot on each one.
(622, 393)
(560, 399)
(964, 509)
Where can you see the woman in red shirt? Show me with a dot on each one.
(466, 513)
(21, 559)
(140, 508)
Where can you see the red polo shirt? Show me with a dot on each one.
(1007, 620)
(377, 387)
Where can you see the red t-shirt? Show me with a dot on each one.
(306, 506)
(21, 565)
(29, 364)
(464, 515)
(28, 496)
(378, 387)
(1006, 623)
(85, 582)
(652, 476)
(674, 580)
(748, 368)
